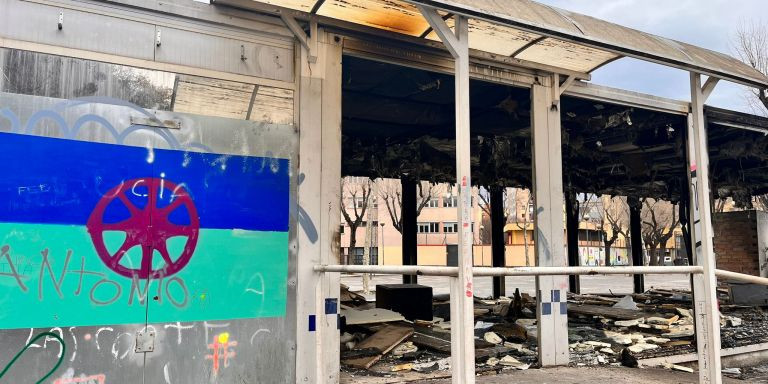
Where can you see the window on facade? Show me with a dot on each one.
(341, 229)
(428, 227)
(359, 201)
(433, 203)
(450, 202)
(450, 227)
(357, 255)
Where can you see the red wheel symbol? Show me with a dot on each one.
(148, 227)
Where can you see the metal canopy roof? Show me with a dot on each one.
(534, 32)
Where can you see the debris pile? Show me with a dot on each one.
(603, 330)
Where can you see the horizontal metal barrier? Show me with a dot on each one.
(536, 271)
(514, 271)
(728, 275)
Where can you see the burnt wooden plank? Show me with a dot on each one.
(383, 341)
(610, 312)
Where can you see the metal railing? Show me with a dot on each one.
(518, 271)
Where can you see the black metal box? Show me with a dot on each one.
(413, 301)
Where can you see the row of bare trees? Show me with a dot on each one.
(659, 218)
(358, 197)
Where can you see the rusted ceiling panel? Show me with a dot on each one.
(566, 55)
(299, 5)
(391, 15)
(493, 38)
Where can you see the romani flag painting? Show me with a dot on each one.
(95, 233)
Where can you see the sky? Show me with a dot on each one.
(710, 24)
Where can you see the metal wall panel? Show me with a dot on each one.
(224, 54)
(39, 23)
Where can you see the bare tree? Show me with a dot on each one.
(526, 200)
(485, 205)
(720, 205)
(659, 220)
(760, 202)
(587, 206)
(357, 195)
(615, 213)
(392, 194)
(751, 45)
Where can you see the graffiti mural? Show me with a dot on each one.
(90, 232)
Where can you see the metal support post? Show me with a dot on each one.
(498, 220)
(551, 309)
(317, 334)
(572, 238)
(462, 310)
(636, 240)
(706, 310)
(408, 216)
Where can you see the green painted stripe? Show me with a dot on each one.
(233, 274)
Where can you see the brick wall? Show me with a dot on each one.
(736, 242)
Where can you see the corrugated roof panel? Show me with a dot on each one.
(392, 15)
(566, 55)
(631, 37)
(504, 26)
(493, 38)
(588, 31)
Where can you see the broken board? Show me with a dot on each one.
(610, 312)
(440, 341)
(432, 342)
(383, 340)
(370, 316)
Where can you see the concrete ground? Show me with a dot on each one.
(566, 375)
(617, 284)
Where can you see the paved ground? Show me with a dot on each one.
(617, 284)
(562, 375)
(589, 376)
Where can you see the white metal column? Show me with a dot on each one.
(317, 334)
(704, 285)
(551, 309)
(462, 310)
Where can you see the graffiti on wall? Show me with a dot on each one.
(91, 233)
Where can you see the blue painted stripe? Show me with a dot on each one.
(58, 181)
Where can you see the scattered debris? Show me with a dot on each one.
(626, 302)
(510, 361)
(492, 338)
(628, 359)
(603, 330)
(629, 323)
(677, 367)
(402, 367)
(684, 312)
(404, 349)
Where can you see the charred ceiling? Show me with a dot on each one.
(738, 151)
(399, 122)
